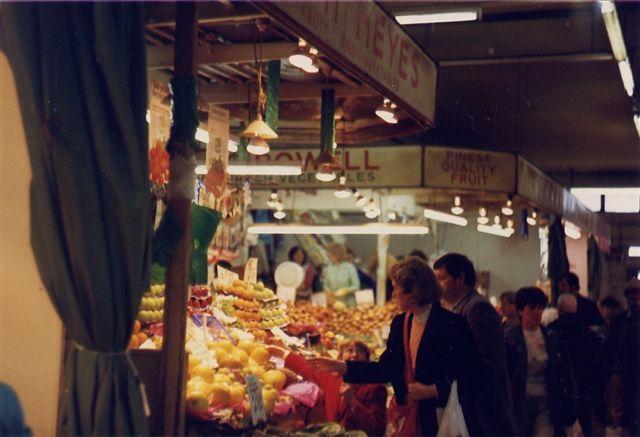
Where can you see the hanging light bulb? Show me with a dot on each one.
(301, 57)
(510, 224)
(312, 66)
(507, 209)
(258, 147)
(387, 111)
(391, 216)
(272, 201)
(360, 199)
(279, 214)
(456, 208)
(342, 192)
(532, 220)
(482, 216)
(496, 221)
(371, 210)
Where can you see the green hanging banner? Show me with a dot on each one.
(242, 144)
(327, 124)
(273, 94)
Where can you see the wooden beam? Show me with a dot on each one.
(163, 15)
(222, 94)
(159, 57)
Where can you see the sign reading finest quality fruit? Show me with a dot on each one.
(367, 41)
(364, 168)
(254, 390)
(469, 169)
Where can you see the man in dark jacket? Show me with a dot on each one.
(568, 334)
(588, 312)
(492, 402)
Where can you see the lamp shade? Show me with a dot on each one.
(258, 146)
(259, 129)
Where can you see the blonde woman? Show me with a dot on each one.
(340, 276)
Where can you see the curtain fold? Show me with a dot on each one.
(81, 76)
(594, 268)
(558, 260)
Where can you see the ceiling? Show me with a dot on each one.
(536, 78)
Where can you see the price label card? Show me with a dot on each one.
(291, 341)
(227, 275)
(251, 271)
(254, 389)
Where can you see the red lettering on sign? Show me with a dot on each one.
(363, 21)
(377, 37)
(282, 155)
(403, 59)
(368, 166)
(393, 43)
(415, 77)
(309, 158)
(347, 164)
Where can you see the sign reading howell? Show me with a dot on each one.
(469, 169)
(376, 167)
(364, 39)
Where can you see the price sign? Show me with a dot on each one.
(227, 275)
(254, 389)
(251, 271)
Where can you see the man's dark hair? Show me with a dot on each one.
(509, 297)
(573, 280)
(531, 296)
(224, 264)
(292, 253)
(455, 264)
(611, 303)
(420, 254)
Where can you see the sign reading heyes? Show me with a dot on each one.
(363, 38)
(469, 169)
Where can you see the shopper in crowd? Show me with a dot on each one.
(428, 347)
(587, 309)
(340, 276)
(582, 347)
(549, 315)
(610, 308)
(541, 381)
(619, 322)
(623, 392)
(508, 309)
(299, 256)
(366, 281)
(356, 407)
(420, 254)
(492, 404)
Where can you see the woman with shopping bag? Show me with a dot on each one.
(427, 349)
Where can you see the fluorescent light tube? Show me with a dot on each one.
(612, 24)
(636, 120)
(627, 76)
(444, 217)
(437, 17)
(571, 230)
(255, 169)
(496, 230)
(364, 229)
(634, 251)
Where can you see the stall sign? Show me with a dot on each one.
(364, 39)
(254, 389)
(375, 167)
(217, 155)
(251, 271)
(469, 169)
(159, 113)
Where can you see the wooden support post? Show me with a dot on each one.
(177, 272)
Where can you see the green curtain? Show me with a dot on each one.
(558, 261)
(81, 76)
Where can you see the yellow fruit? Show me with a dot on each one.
(193, 362)
(241, 356)
(247, 345)
(134, 342)
(221, 377)
(203, 371)
(260, 355)
(220, 353)
(220, 394)
(230, 361)
(275, 378)
(136, 326)
(198, 384)
(223, 344)
(270, 396)
(236, 394)
(197, 402)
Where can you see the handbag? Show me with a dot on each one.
(403, 419)
(453, 423)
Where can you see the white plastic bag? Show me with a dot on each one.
(453, 423)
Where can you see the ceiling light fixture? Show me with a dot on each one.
(342, 192)
(387, 111)
(452, 16)
(363, 229)
(264, 169)
(636, 121)
(482, 216)
(201, 169)
(507, 209)
(496, 230)
(616, 39)
(305, 57)
(627, 76)
(360, 199)
(272, 201)
(258, 147)
(456, 208)
(371, 210)
(279, 214)
(444, 217)
(232, 146)
(391, 216)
